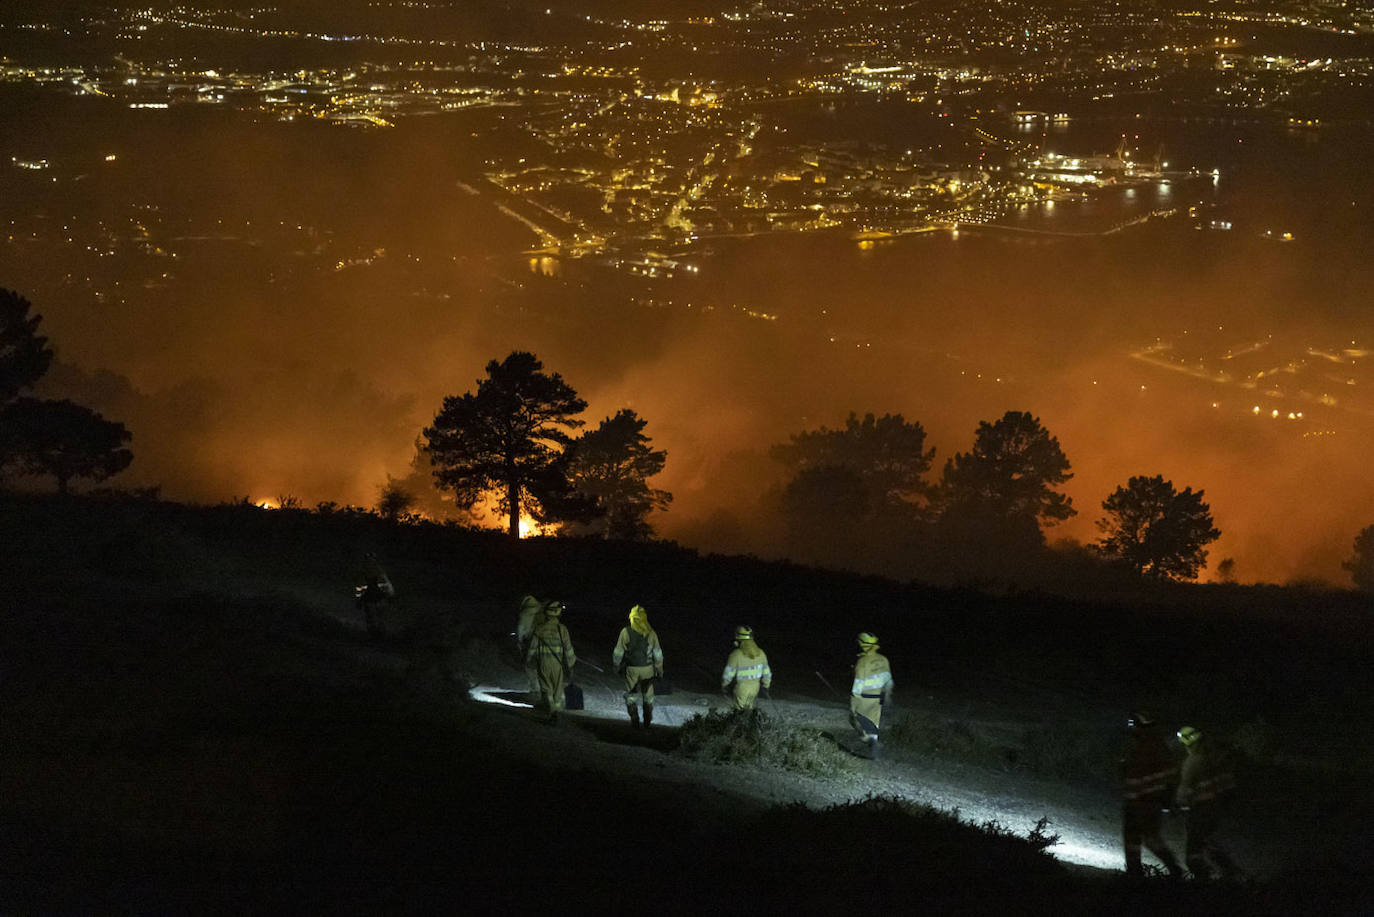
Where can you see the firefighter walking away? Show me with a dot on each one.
(639, 657)
(871, 692)
(1204, 787)
(371, 590)
(551, 654)
(746, 670)
(1147, 774)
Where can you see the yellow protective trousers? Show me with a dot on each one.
(865, 713)
(551, 678)
(746, 691)
(639, 679)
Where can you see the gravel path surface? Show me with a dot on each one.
(600, 738)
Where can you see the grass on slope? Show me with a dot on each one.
(755, 737)
(180, 734)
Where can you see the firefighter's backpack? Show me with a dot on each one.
(572, 697)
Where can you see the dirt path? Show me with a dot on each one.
(600, 739)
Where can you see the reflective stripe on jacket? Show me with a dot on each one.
(872, 675)
(740, 667)
(551, 639)
(1154, 783)
(1147, 770)
(1203, 779)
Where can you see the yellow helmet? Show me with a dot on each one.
(867, 639)
(1189, 736)
(744, 632)
(553, 608)
(638, 611)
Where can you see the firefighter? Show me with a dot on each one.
(871, 692)
(1203, 788)
(1147, 773)
(551, 654)
(531, 616)
(639, 657)
(746, 669)
(371, 590)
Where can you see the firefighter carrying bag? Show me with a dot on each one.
(572, 697)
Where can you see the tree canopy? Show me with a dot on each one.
(887, 454)
(394, 502)
(1009, 475)
(24, 353)
(37, 437)
(1157, 530)
(1361, 563)
(611, 465)
(506, 439)
(826, 511)
(62, 439)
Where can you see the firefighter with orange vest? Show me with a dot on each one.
(746, 670)
(1147, 774)
(1203, 786)
(639, 656)
(552, 656)
(872, 690)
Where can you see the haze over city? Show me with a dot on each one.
(666, 454)
(272, 240)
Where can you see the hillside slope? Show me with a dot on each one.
(195, 718)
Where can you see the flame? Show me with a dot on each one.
(529, 527)
(268, 503)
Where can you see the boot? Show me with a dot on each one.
(633, 710)
(648, 715)
(1171, 864)
(875, 749)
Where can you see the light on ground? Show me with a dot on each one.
(482, 694)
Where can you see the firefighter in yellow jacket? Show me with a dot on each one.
(872, 690)
(746, 670)
(1203, 787)
(640, 657)
(551, 653)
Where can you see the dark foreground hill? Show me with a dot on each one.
(191, 723)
